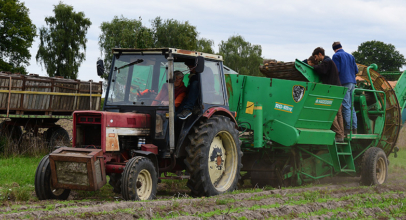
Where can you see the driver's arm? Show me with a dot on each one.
(162, 95)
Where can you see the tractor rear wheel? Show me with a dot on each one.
(43, 183)
(374, 170)
(139, 179)
(214, 157)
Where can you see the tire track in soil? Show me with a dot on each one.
(203, 205)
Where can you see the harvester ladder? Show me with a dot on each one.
(341, 154)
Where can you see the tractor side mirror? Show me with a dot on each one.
(100, 68)
(199, 64)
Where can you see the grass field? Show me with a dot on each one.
(18, 173)
(17, 182)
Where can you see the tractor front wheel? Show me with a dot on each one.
(139, 179)
(43, 183)
(374, 170)
(214, 157)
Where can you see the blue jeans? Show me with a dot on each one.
(347, 107)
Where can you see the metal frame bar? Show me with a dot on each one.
(49, 93)
(315, 156)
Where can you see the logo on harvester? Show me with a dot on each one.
(325, 102)
(283, 107)
(298, 93)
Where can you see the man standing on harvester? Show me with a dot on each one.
(347, 69)
(329, 75)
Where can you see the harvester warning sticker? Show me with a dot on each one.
(283, 107)
(298, 92)
(325, 102)
(250, 108)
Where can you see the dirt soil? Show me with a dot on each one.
(338, 197)
(277, 203)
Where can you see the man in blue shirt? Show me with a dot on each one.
(347, 69)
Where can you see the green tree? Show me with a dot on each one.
(16, 35)
(172, 33)
(122, 33)
(205, 45)
(63, 42)
(130, 33)
(241, 56)
(384, 55)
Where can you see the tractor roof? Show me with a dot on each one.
(166, 51)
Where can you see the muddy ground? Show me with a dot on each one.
(330, 198)
(310, 202)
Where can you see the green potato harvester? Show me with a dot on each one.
(285, 125)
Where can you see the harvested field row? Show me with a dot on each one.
(343, 201)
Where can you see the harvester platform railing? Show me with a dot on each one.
(369, 135)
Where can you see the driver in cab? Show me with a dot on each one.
(180, 91)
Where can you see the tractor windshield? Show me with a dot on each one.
(137, 79)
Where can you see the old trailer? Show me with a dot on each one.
(32, 102)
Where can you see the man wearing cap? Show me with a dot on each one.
(347, 69)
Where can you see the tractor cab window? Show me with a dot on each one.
(137, 79)
(212, 90)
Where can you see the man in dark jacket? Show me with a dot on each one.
(193, 91)
(329, 75)
(347, 69)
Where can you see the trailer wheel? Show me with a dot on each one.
(139, 179)
(214, 157)
(12, 132)
(59, 138)
(43, 183)
(374, 168)
(48, 133)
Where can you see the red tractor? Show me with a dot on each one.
(138, 139)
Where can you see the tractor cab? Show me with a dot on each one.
(143, 81)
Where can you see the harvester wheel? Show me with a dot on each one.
(268, 176)
(139, 179)
(59, 138)
(374, 168)
(43, 183)
(214, 157)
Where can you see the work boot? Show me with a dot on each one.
(354, 131)
(346, 131)
(338, 139)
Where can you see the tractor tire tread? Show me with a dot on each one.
(128, 179)
(199, 183)
(368, 170)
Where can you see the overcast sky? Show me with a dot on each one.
(286, 30)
